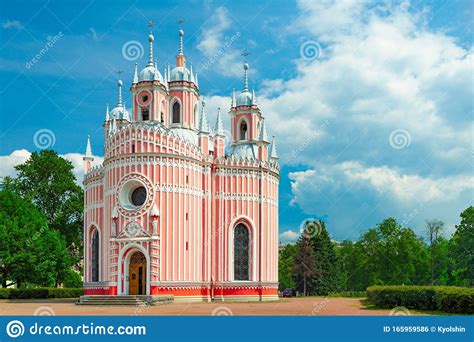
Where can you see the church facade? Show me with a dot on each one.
(177, 207)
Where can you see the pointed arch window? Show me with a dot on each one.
(176, 112)
(95, 256)
(243, 130)
(241, 252)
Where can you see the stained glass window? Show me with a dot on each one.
(241, 253)
(95, 256)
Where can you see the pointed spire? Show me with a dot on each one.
(204, 124)
(181, 34)
(263, 136)
(125, 115)
(165, 72)
(107, 114)
(246, 77)
(273, 149)
(233, 98)
(191, 76)
(245, 53)
(156, 75)
(150, 44)
(196, 80)
(254, 98)
(219, 130)
(88, 147)
(135, 74)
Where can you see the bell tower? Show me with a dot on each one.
(245, 115)
(149, 90)
(183, 90)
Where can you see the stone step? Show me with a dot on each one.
(125, 300)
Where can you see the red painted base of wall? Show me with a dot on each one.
(103, 291)
(192, 291)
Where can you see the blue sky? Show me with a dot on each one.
(371, 102)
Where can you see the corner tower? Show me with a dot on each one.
(149, 90)
(184, 92)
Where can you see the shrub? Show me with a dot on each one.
(4, 293)
(40, 293)
(445, 298)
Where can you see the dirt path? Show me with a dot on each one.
(284, 307)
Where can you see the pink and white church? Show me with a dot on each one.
(175, 209)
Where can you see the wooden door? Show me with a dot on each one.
(137, 274)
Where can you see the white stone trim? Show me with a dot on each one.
(131, 248)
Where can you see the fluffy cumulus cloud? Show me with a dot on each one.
(288, 236)
(20, 156)
(379, 113)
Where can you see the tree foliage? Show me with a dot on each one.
(462, 249)
(30, 252)
(387, 254)
(48, 181)
(286, 260)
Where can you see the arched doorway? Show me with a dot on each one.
(137, 274)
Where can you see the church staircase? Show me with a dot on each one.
(125, 300)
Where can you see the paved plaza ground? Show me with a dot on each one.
(317, 306)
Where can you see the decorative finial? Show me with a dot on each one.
(107, 114)
(181, 34)
(245, 53)
(119, 82)
(151, 24)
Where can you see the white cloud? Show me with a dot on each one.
(382, 69)
(20, 156)
(8, 162)
(355, 197)
(15, 24)
(217, 45)
(288, 236)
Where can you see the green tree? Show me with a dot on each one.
(48, 181)
(286, 261)
(30, 252)
(434, 229)
(462, 249)
(304, 269)
(326, 263)
(395, 255)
